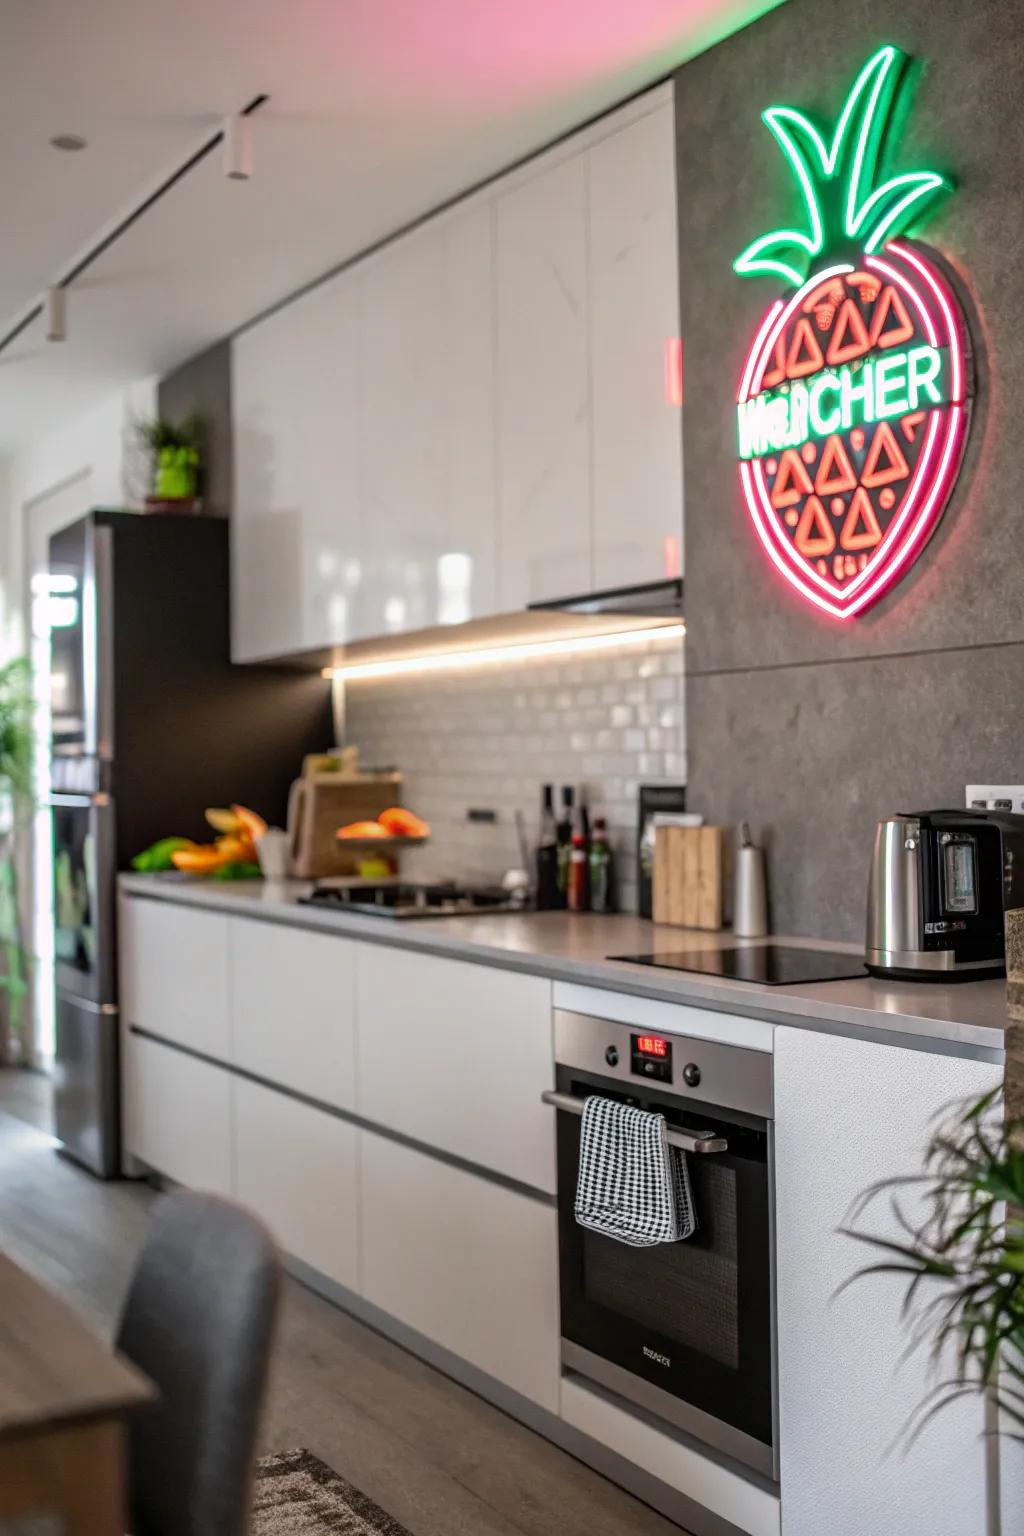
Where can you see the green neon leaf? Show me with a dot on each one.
(862, 125)
(890, 209)
(765, 255)
(782, 121)
(848, 165)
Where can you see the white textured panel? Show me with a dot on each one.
(296, 529)
(847, 1114)
(457, 1056)
(634, 273)
(667, 1018)
(174, 973)
(293, 1008)
(466, 377)
(326, 444)
(268, 404)
(544, 492)
(401, 432)
(177, 1115)
(463, 1261)
(732, 1497)
(297, 1168)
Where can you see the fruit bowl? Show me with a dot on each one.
(386, 845)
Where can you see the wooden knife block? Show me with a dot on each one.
(320, 803)
(689, 877)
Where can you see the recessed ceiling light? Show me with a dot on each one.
(68, 141)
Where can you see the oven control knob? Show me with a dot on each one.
(611, 1055)
(691, 1075)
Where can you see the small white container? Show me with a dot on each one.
(273, 850)
(750, 898)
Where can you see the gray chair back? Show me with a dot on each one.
(198, 1320)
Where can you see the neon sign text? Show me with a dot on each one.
(893, 385)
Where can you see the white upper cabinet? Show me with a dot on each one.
(474, 417)
(295, 544)
(544, 428)
(267, 517)
(426, 427)
(634, 291)
(467, 574)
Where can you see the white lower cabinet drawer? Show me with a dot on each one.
(296, 1168)
(177, 1115)
(474, 1047)
(468, 1263)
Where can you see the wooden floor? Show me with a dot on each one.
(438, 1459)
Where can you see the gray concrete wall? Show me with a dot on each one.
(203, 384)
(811, 728)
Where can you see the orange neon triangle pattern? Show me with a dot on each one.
(890, 307)
(804, 353)
(849, 335)
(860, 530)
(792, 481)
(777, 372)
(885, 462)
(814, 534)
(835, 472)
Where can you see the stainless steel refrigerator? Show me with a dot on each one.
(151, 723)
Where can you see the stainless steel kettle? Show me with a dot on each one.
(940, 884)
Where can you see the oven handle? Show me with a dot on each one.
(697, 1141)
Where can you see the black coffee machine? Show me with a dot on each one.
(940, 885)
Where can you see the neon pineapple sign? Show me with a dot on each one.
(853, 405)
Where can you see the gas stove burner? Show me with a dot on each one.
(404, 899)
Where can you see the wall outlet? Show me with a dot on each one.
(996, 797)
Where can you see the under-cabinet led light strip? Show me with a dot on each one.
(447, 661)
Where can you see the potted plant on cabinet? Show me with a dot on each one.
(16, 805)
(963, 1260)
(176, 448)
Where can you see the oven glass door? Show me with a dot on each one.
(692, 1319)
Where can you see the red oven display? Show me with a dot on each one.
(651, 1056)
(652, 1045)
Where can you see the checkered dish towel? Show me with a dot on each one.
(632, 1186)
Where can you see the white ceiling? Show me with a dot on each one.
(379, 110)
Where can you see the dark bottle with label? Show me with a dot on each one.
(548, 893)
(599, 863)
(564, 833)
(577, 890)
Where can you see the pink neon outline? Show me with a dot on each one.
(942, 296)
(851, 600)
(752, 354)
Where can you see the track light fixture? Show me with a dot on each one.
(56, 314)
(238, 147)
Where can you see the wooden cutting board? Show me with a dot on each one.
(320, 803)
(689, 877)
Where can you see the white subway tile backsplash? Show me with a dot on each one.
(489, 737)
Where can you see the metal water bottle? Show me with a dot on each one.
(750, 903)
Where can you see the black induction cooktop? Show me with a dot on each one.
(773, 965)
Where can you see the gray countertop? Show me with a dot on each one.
(968, 1018)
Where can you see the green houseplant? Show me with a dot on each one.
(16, 804)
(963, 1259)
(177, 449)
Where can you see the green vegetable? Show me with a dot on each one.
(238, 871)
(151, 860)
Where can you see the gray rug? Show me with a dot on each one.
(297, 1495)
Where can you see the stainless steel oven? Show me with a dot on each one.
(684, 1330)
